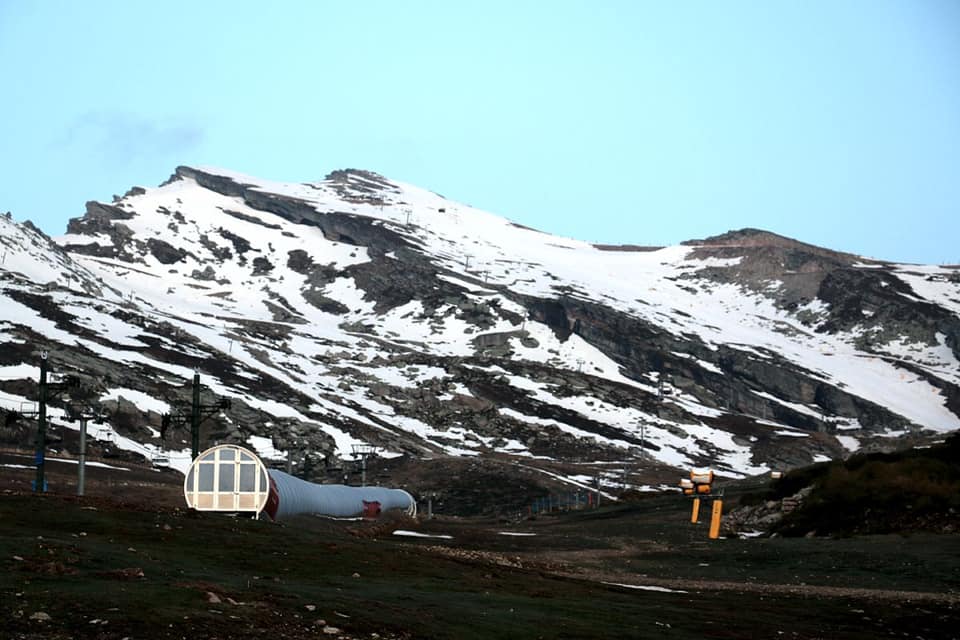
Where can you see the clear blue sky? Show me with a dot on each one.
(835, 122)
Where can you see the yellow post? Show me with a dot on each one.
(696, 510)
(715, 519)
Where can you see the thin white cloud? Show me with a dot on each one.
(123, 138)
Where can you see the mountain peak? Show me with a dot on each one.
(749, 237)
(345, 175)
(359, 310)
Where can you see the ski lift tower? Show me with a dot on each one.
(363, 451)
(83, 413)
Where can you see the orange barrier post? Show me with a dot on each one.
(715, 519)
(696, 510)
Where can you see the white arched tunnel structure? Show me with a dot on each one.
(227, 478)
(233, 479)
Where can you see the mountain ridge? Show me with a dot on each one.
(357, 309)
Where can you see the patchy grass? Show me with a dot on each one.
(133, 565)
(80, 562)
(904, 491)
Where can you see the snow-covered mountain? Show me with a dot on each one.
(360, 310)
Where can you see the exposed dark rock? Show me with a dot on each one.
(762, 517)
(219, 252)
(99, 213)
(553, 314)
(392, 283)
(253, 219)
(102, 219)
(207, 274)
(261, 266)
(164, 252)
(240, 245)
(300, 261)
(887, 306)
(325, 304)
(626, 247)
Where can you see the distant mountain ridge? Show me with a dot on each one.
(360, 310)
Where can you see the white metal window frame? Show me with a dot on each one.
(229, 500)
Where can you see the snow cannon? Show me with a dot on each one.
(229, 478)
(699, 483)
(702, 477)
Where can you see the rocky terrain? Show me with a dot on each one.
(362, 311)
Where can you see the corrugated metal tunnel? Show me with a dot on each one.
(230, 478)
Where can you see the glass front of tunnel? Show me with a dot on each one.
(227, 478)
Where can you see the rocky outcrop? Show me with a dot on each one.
(763, 517)
(101, 219)
(886, 309)
(788, 270)
(164, 252)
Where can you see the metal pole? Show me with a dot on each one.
(195, 417)
(81, 467)
(40, 483)
(363, 470)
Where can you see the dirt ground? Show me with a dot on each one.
(129, 561)
(120, 480)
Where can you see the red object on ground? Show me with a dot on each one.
(371, 509)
